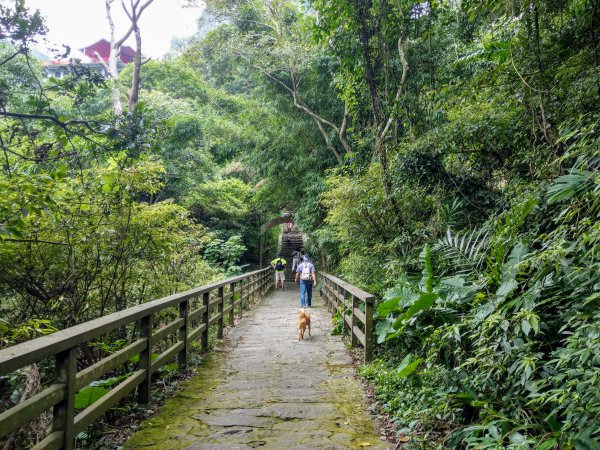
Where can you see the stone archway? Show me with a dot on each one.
(266, 226)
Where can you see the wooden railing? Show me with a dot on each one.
(195, 314)
(356, 308)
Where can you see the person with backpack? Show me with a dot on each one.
(279, 265)
(305, 275)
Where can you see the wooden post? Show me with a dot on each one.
(259, 286)
(343, 308)
(242, 293)
(64, 411)
(205, 315)
(326, 293)
(220, 312)
(333, 299)
(253, 282)
(184, 308)
(146, 361)
(368, 329)
(353, 338)
(232, 312)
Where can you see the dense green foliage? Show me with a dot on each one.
(467, 195)
(442, 155)
(100, 212)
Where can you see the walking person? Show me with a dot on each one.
(279, 265)
(305, 275)
(296, 258)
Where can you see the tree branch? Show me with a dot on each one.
(328, 141)
(104, 64)
(32, 241)
(343, 128)
(404, 62)
(50, 118)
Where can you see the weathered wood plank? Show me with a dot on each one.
(214, 319)
(368, 332)
(363, 295)
(205, 322)
(184, 308)
(214, 302)
(232, 303)
(53, 441)
(163, 332)
(22, 413)
(145, 391)
(166, 356)
(359, 335)
(64, 411)
(348, 320)
(102, 367)
(88, 415)
(196, 313)
(360, 315)
(220, 307)
(353, 336)
(196, 331)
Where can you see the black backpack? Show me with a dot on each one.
(279, 265)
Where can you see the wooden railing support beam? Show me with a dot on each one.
(232, 303)
(184, 308)
(205, 318)
(146, 362)
(64, 411)
(369, 329)
(337, 295)
(220, 312)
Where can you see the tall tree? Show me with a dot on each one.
(274, 39)
(133, 12)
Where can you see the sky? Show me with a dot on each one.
(79, 23)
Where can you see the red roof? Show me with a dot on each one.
(102, 47)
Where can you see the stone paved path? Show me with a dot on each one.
(261, 388)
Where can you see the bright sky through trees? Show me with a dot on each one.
(82, 22)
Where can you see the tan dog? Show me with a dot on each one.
(303, 323)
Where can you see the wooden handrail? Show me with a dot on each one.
(63, 346)
(346, 299)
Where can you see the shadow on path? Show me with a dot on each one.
(261, 388)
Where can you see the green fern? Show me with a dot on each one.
(580, 179)
(465, 250)
(425, 258)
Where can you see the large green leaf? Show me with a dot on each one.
(425, 301)
(407, 366)
(388, 307)
(383, 329)
(89, 395)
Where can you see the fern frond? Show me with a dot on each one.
(582, 178)
(425, 258)
(570, 185)
(464, 249)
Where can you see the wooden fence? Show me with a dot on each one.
(195, 310)
(356, 308)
